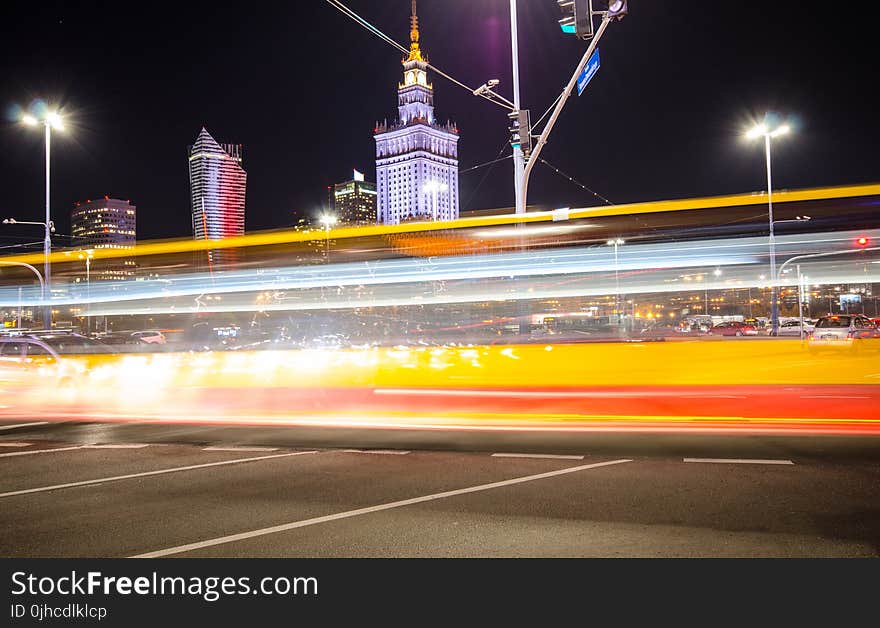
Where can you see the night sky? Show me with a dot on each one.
(301, 87)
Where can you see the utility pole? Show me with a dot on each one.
(518, 159)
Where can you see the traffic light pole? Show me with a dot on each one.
(536, 152)
(518, 161)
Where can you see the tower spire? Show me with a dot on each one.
(415, 53)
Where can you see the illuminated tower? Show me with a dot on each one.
(217, 188)
(416, 158)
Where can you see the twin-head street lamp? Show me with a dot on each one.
(762, 130)
(50, 120)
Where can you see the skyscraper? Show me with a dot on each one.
(416, 158)
(354, 201)
(217, 184)
(106, 223)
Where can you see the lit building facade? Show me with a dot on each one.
(416, 158)
(105, 223)
(217, 188)
(354, 202)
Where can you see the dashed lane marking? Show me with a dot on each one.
(180, 549)
(118, 446)
(116, 478)
(18, 425)
(549, 456)
(242, 448)
(14, 444)
(737, 461)
(39, 451)
(380, 452)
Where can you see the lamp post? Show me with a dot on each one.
(518, 157)
(616, 242)
(39, 278)
(50, 120)
(762, 130)
(87, 256)
(328, 221)
(435, 187)
(717, 272)
(44, 280)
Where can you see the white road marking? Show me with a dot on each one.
(365, 511)
(737, 461)
(551, 456)
(242, 448)
(119, 446)
(13, 444)
(381, 452)
(40, 451)
(116, 478)
(12, 427)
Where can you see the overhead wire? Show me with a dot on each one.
(22, 245)
(489, 171)
(373, 29)
(483, 165)
(549, 109)
(573, 180)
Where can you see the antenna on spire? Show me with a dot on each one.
(415, 54)
(414, 20)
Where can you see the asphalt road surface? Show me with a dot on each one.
(119, 490)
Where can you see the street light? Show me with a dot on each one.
(328, 221)
(616, 243)
(50, 120)
(762, 130)
(717, 272)
(39, 278)
(88, 255)
(44, 284)
(435, 187)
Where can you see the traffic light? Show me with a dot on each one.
(863, 241)
(577, 17)
(617, 8)
(521, 131)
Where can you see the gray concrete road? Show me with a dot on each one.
(84, 490)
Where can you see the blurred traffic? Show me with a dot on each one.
(596, 321)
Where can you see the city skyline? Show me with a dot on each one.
(619, 160)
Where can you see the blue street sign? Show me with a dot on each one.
(589, 72)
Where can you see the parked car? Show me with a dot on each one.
(793, 328)
(663, 330)
(733, 328)
(150, 337)
(48, 345)
(844, 330)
